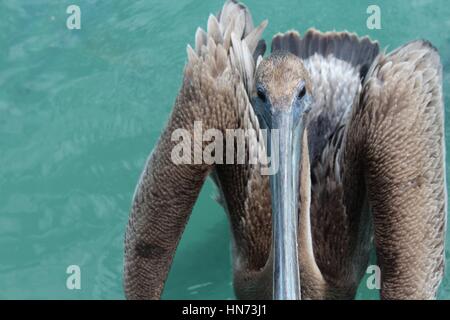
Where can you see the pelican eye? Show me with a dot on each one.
(261, 95)
(302, 93)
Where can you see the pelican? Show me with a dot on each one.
(360, 158)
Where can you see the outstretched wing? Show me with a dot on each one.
(396, 137)
(217, 80)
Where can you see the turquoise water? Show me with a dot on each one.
(81, 109)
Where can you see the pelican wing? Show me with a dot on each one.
(395, 140)
(217, 82)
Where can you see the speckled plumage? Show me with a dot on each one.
(376, 153)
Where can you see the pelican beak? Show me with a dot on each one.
(286, 153)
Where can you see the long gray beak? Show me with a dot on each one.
(285, 215)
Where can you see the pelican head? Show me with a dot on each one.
(282, 101)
